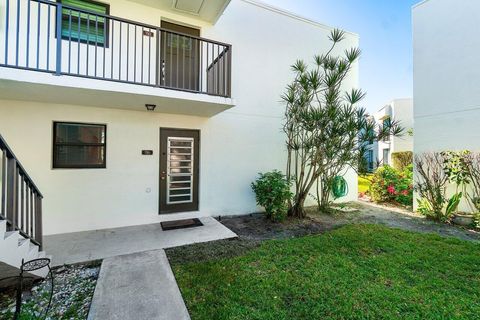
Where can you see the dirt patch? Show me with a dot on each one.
(251, 230)
(256, 227)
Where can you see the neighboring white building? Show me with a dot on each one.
(446, 75)
(380, 152)
(78, 122)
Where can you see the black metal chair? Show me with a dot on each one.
(29, 266)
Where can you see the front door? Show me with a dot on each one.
(179, 168)
(180, 57)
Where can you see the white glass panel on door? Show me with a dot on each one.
(180, 170)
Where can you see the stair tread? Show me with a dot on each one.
(22, 242)
(10, 233)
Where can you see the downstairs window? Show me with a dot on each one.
(78, 145)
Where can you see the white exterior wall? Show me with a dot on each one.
(235, 144)
(446, 75)
(402, 111)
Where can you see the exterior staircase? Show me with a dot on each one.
(20, 218)
(13, 249)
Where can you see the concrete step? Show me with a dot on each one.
(3, 226)
(9, 248)
(23, 250)
(9, 234)
(32, 252)
(14, 248)
(9, 239)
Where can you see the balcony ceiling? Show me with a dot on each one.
(34, 86)
(206, 10)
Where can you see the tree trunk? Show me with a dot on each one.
(324, 203)
(298, 210)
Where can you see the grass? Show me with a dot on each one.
(364, 183)
(355, 272)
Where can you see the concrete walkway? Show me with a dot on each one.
(396, 218)
(100, 244)
(136, 287)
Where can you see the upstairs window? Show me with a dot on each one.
(387, 123)
(83, 27)
(78, 145)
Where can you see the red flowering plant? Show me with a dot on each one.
(391, 189)
(391, 185)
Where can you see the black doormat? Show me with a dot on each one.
(181, 224)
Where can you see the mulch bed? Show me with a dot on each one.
(251, 230)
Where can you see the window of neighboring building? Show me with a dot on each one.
(84, 27)
(386, 156)
(387, 124)
(78, 145)
(370, 160)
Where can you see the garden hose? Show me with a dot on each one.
(339, 187)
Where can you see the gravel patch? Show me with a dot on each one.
(73, 290)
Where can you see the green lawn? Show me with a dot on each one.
(355, 272)
(364, 183)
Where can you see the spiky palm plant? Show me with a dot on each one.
(326, 132)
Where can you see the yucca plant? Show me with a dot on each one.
(326, 131)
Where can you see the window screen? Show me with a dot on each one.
(83, 27)
(78, 145)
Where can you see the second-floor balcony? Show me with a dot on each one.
(64, 40)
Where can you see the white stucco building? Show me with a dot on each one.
(446, 75)
(380, 152)
(74, 98)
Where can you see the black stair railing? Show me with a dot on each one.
(21, 200)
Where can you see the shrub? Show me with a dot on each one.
(431, 184)
(272, 191)
(472, 161)
(476, 219)
(391, 185)
(402, 159)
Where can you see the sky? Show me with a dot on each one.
(384, 27)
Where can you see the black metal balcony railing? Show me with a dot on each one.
(20, 199)
(47, 36)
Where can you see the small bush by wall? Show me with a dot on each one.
(436, 175)
(402, 159)
(392, 185)
(272, 191)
